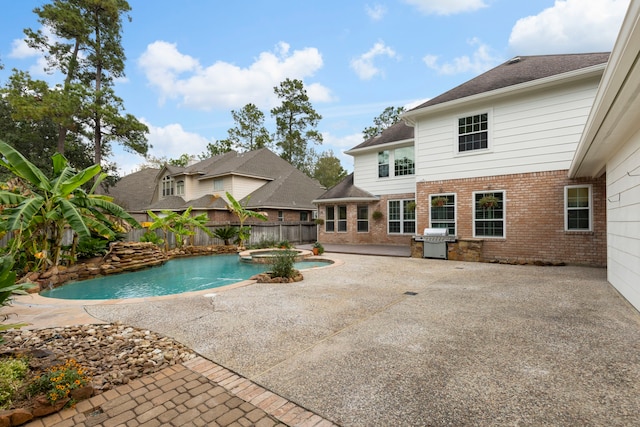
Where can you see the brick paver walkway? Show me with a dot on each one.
(196, 393)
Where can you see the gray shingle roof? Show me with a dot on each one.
(134, 192)
(346, 189)
(519, 70)
(291, 189)
(397, 132)
(285, 186)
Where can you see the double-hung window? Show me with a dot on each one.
(578, 208)
(443, 212)
(180, 187)
(363, 219)
(402, 217)
(342, 218)
(383, 164)
(488, 214)
(218, 184)
(473, 132)
(403, 161)
(330, 220)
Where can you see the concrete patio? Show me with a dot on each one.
(399, 341)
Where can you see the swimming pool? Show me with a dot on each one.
(174, 277)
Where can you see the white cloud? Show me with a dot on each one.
(169, 141)
(226, 85)
(364, 66)
(482, 59)
(341, 144)
(21, 50)
(446, 7)
(569, 26)
(375, 12)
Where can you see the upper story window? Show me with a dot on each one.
(473, 132)
(404, 163)
(218, 184)
(167, 186)
(383, 164)
(578, 208)
(180, 188)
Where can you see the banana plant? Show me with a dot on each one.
(37, 218)
(243, 214)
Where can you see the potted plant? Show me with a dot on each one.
(377, 215)
(411, 206)
(439, 201)
(319, 221)
(489, 202)
(317, 248)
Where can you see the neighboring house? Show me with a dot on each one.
(509, 133)
(134, 192)
(610, 146)
(259, 179)
(271, 184)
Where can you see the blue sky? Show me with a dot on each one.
(190, 62)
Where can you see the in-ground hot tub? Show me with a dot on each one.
(265, 256)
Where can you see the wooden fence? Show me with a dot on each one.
(293, 232)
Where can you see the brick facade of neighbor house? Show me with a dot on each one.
(377, 234)
(535, 218)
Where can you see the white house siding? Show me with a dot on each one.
(241, 186)
(623, 216)
(204, 187)
(365, 167)
(535, 132)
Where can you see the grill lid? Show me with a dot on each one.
(436, 232)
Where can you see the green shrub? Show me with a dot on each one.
(265, 243)
(282, 264)
(12, 372)
(225, 234)
(152, 237)
(92, 247)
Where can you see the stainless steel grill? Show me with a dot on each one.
(435, 242)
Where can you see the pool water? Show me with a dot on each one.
(173, 277)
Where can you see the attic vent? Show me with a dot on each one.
(514, 60)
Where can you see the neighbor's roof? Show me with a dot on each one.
(397, 132)
(285, 187)
(520, 69)
(346, 189)
(291, 189)
(135, 191)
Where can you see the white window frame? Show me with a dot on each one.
(567, 208)
(218, 184)
(340, 221)
(386, 153)
(180, 187)
(489, 113)
(503, 219)
(455, 210)
(168, 186)
(402, 219)
(362, 221)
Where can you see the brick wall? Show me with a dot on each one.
(377, 234)
(534, 212)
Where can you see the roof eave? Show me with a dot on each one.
(390, 144)
(410, 117)
(613, 117)
(346, 200)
